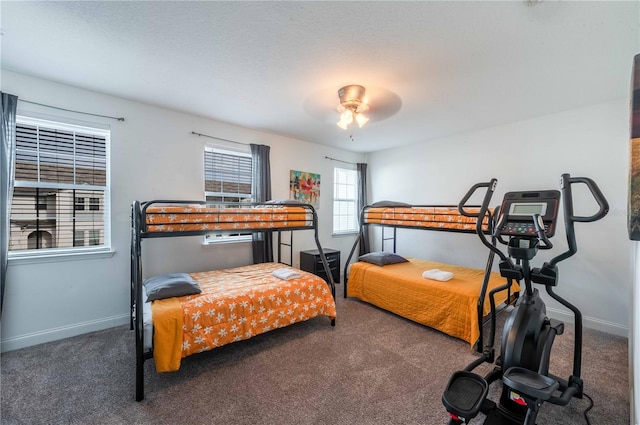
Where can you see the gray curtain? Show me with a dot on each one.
(261, 192)
(362, 201)
(8, 104)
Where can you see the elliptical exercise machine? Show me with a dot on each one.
(528, 219)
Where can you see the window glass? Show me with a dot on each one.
(227, 178)
(345, 201)
(61, 176)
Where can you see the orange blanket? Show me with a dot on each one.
(235, 304)
(450, 307)
(202, 217)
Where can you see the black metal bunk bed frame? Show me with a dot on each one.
(139, 232)
(364, 226)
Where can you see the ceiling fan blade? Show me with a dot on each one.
(383, 103)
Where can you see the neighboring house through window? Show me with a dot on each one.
(345, 201)
(58, 167)
(227, 178)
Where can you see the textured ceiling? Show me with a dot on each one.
(432, 68)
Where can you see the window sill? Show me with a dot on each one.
(52, 257)
(211, 244)
(350, 233)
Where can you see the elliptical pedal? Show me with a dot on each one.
(465, 393)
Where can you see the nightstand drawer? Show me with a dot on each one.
(333, 260)
(310, 262)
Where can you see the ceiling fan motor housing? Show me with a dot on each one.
(352, 97)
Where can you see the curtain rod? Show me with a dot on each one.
(219, 138)
(339, 160)
(70, 110)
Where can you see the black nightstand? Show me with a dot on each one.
(310, 262)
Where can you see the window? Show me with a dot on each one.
(39, 240)
(94, 237)
(345, 201)
(78, 238)
(227, 178)
(57, 167)
(41, 203)
(79, 204)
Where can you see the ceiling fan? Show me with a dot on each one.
(345, 104)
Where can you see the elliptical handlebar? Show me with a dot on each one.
(569, 219)
(491, 187)
(565, 184)
(484, 208)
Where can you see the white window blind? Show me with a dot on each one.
(61, 189)
(227, 178)
(227, 175)
(345, 201)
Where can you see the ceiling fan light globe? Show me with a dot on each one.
(346, 118)
(361, 120)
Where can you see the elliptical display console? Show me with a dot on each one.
(519, 207)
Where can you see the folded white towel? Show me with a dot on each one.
(286, 274)
(437, 274)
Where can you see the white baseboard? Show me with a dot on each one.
(28, 340)
(590, 322)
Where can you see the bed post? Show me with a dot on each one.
(136, 271)
(363, 228)
(132, 262)
(325, 265)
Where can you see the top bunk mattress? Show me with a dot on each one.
(198, 218)
(444, 218)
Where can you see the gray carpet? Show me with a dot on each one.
(372, 368)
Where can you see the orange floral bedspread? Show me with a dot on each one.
(235, 304)
(450, 307)
(423, 217)
(184, 218)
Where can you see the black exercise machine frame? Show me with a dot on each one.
(534, 386)
(139, 232)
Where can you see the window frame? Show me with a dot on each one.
(39, 255)
(215, 238)
(337, 200)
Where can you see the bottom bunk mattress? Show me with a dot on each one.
(235, 304)
(450, 306)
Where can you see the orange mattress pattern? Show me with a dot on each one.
(422, 217)
(450, 307)
(186, 218)
(235, 304)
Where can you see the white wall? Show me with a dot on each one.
(530, 155)
(153, 156)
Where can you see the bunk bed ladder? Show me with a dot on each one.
(281, 244)
(393, 238)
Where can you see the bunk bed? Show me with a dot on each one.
(179, 314)
(455, 303)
